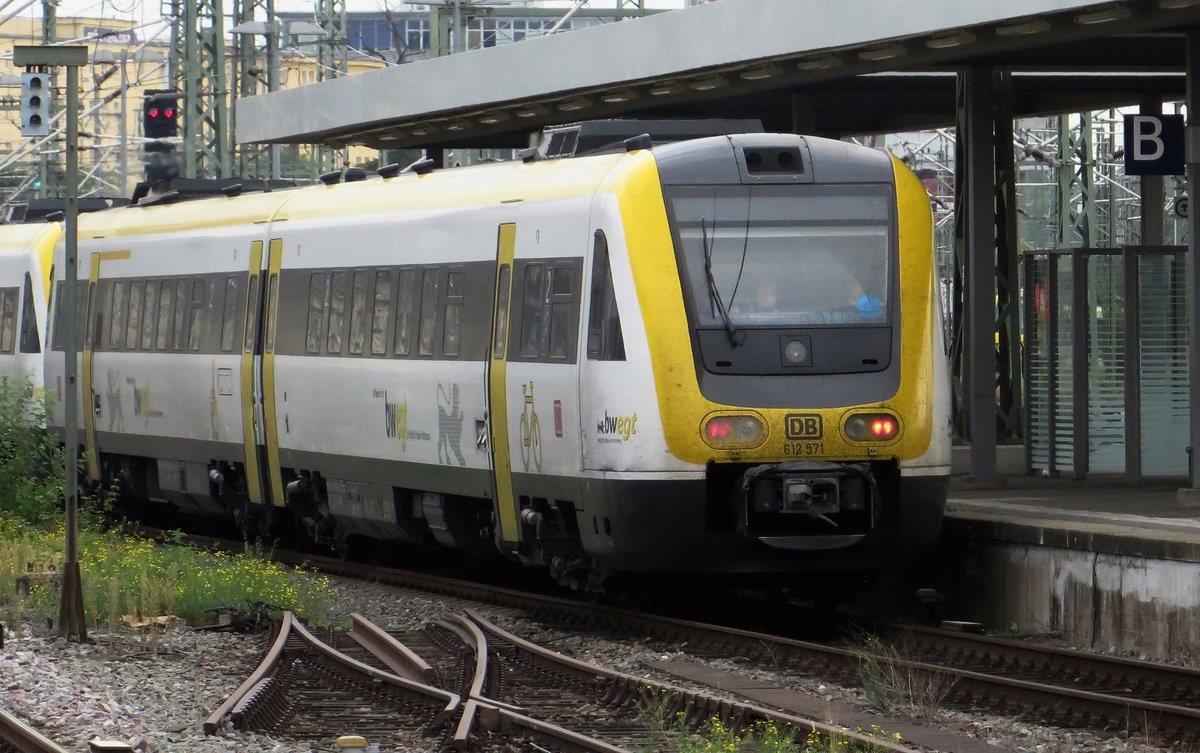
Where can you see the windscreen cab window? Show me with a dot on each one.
(772, 255)
(605, 341)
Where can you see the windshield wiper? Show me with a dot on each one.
(713, 293)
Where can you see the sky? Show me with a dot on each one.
(148, 13)
(150, 10)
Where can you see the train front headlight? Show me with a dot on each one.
(872, 427)
(731, 431)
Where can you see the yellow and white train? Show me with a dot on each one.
(721, 356)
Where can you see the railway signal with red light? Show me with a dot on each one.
(160, 117)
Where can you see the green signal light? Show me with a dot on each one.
(37, 184)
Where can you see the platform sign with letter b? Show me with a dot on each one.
(1154, 145)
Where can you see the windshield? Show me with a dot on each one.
(785, 255)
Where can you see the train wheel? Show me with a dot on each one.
(246, 519)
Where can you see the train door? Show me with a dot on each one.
(88, 339)
(270, 413)
(259, 432)
(253, 434)
(497, 403)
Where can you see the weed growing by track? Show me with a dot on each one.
(126, 577)
(122, 576)
(32, 474)
(675, 733)
(889, 683)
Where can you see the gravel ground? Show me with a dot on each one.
(155, 693)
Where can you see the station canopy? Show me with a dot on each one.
(825, 67)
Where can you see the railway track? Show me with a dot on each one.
(18, 737)
(1072, 689)
(505, 692)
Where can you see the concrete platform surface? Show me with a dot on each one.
(1106, 515)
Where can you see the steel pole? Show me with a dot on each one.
(71, 622)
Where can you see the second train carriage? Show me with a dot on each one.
(718, 356)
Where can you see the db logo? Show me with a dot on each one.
(802, 426)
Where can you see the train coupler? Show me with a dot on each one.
(807, 504)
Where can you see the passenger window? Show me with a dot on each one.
(150, 314)
(57, 305)
(164, 315)
(533, 311)
(182, 296)
(132, 330)
(428, 323)
(8, 325)
(383, 309)
(500, 333)
(337, 313)
(406, 295)
(228, 324)
(117, 330)
(318, 301)
(605, 341)
(81, 311)
(29, 331)
(197, 315)
(455, 289)
(562, 287)
(358, 313)
(252, 303)
(98, 304)
(272, 314)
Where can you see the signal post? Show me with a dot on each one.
(35, 121)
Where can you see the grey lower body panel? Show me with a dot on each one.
(442, 479)
(173, 448)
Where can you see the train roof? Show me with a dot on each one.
(441, 189)
(701, 160)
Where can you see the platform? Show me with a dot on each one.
(1103, 564)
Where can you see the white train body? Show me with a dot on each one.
(521, 358)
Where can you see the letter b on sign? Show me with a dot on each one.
(1154, 145)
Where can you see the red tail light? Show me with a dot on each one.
(872, 427)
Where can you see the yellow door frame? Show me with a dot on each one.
(85, 337)
(250, 428)
(270, 413)
(506, 507)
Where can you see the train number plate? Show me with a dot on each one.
(803, 426)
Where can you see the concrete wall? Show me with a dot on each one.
(1096, 600)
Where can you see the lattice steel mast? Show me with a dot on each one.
(332, 61)
(198, 70)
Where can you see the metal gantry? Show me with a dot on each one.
(331, 62)
(205, 108)
(249, 76)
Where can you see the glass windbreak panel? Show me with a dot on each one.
(786, 255)
(1162, 343)
(1106, 363)
(1048, 343)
